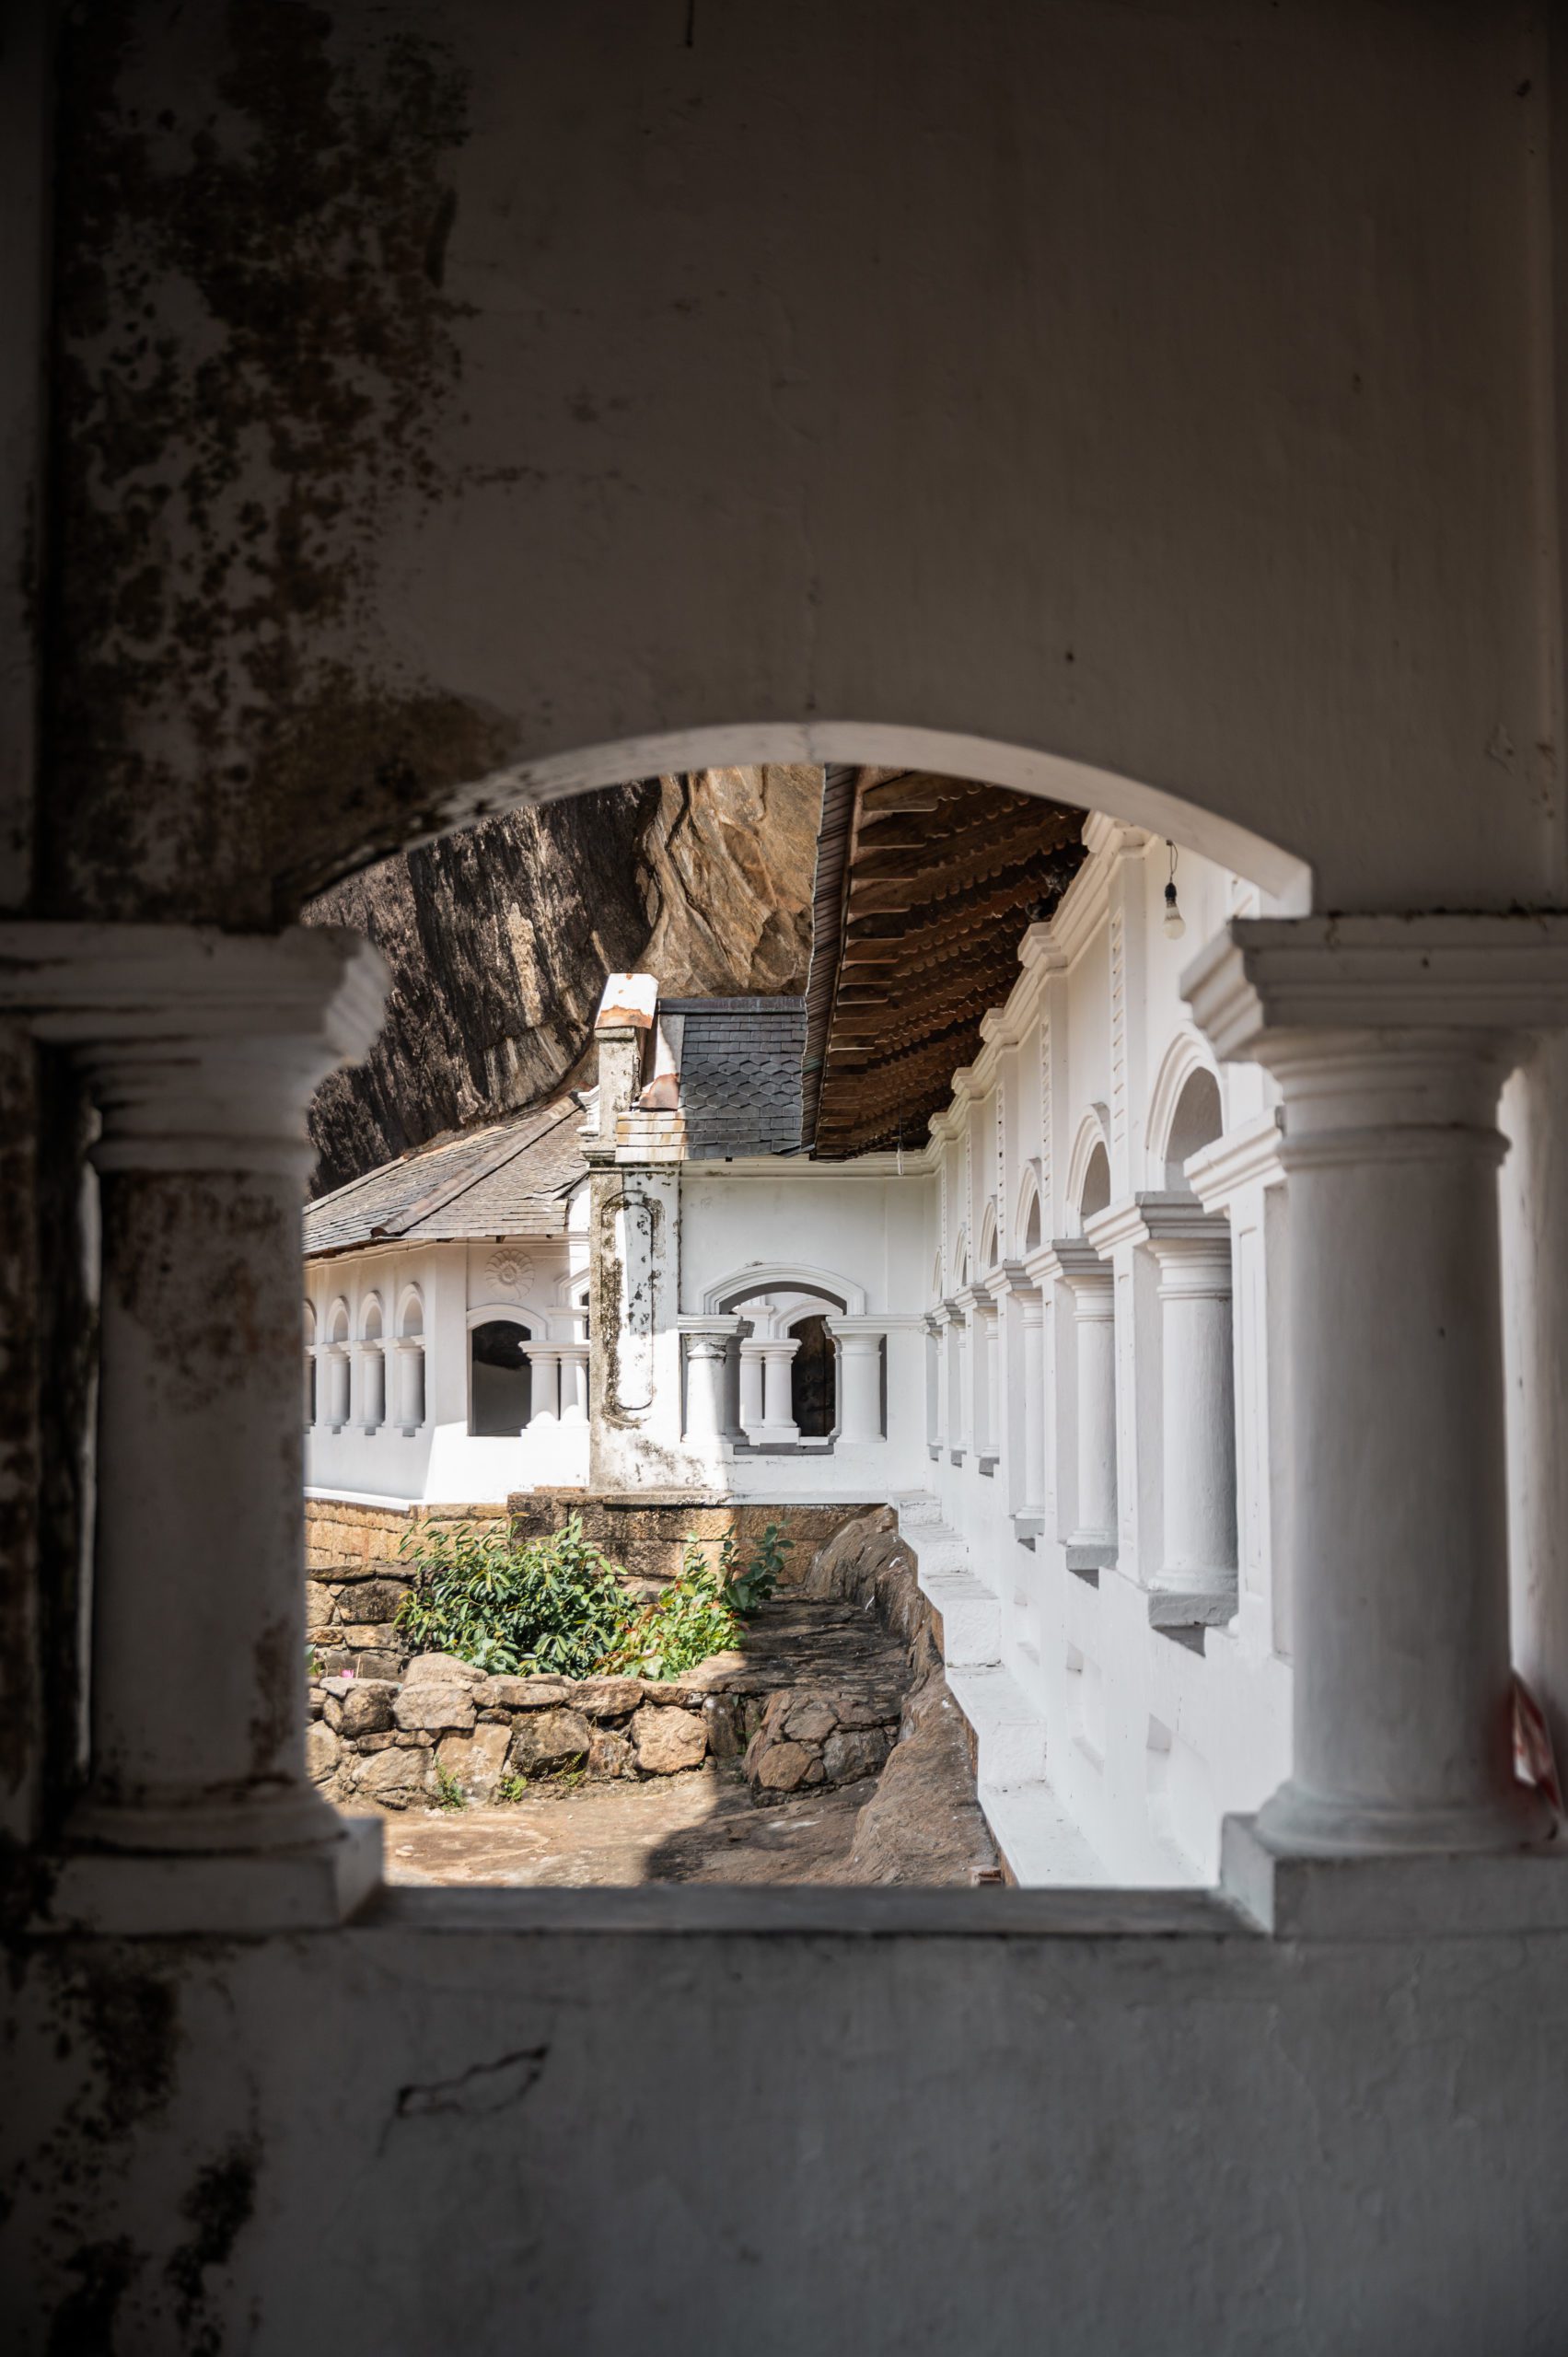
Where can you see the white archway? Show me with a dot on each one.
(1093, 1137)
(1186, 1057)
(784, 1276)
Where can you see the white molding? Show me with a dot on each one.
(1244, 1157)
(1093, 1130)
(781, 1277)
(1266, 975)
(1186, 1053)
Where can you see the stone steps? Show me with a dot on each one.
(1039, 1842)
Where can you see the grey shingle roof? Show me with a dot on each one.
(512, 1177)
(741, 1074)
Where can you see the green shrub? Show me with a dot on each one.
(550, 1605)
(753, 1587)
(692, 1619)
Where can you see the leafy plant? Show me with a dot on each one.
(552, 1605)
(512, 1788)
(692, 1619)
(747, 1589)
(449, 1794)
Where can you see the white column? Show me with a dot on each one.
(860, 1381)
(335, 1363)
(988, 1381)
(778, 1406)
(938, 1324)
(574, 1383)
(1198, 1414)
(202, 1051)
(1390, 1038)
(312, 1400)
(372, 1386)
(1091, 1542)
(704, 1387)
(408, 1364)
(1031, 1319)
(750, 1387)
(544, 1389)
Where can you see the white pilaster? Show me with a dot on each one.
(544, 1384)
(1091, 1543)
(860, 1378)
(573, 1379)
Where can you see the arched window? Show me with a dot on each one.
(500, 1379)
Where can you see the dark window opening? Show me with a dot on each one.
(813, 1387)
(500, 1381)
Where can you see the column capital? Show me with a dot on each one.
(202, 1049)
(1007, 1277)
(1265, 981)
(1074, 1260)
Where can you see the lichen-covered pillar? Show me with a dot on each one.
(1390, 1038)
(202, 1051)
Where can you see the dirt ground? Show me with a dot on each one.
(701, 1827)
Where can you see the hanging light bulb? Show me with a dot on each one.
(1175, 922)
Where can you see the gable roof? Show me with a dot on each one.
(740, 1064)
(512, 1177)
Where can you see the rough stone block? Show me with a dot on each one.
(544, 1741)
(812, 1720)
(477, 1759)
(379, 1599)
(722, 1717)
(322, 1751)
(366, 1707)
(608, 1698)
(395, 1778)
(429, 1669)
(501, 1693)
(435, 1707)
(360, 1635)
(780, 1767)
(610, 1754)
(666, 1741)
(853, 1753)
(319, 1607)
(379, 1666)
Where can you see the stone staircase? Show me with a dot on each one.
(1039, 1841)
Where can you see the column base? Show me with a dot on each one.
(1203, 1599)
(313, 1885)
(1408, 1895)
(1298, 1823)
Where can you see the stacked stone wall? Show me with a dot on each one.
(357, 1579)
(648, 1534)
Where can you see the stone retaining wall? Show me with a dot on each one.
(355, 1579)
(646, 1533)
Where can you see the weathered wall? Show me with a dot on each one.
(470, 2126)
(441, 401)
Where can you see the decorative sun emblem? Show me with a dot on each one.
(504, 1269)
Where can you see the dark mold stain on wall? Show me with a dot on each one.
(255, 353)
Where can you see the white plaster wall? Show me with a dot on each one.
(443, 1462)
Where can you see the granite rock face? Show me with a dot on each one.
(500, 937)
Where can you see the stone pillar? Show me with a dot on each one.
(1390, 1037)
(573, 1359)
(544, 1390)
(202, 1052)
(335, 1365)
(859, 1379)
(705, 1356)
(1198, 1414)
(751, 1387)
(311, 1403)
(408, 1369)
(778, 1405)
(1091, 1542)
(372, 1387)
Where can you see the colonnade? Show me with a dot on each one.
(1389, 1038)
(766, 1412)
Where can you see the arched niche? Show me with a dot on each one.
(338, 1321)
(989, 1245)
(371, 1324)
(1088, 1168)
(500, 1373)
(411, 1315)
(1185, 1112)
(1028, 1220)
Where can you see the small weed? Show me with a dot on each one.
(512, 1788)
(449, 1794)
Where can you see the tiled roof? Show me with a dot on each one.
(513, 1177)
(739, 1074)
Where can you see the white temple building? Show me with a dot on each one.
(1047, 1329)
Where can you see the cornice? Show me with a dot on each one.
(1152, 1219)
(1266, 978)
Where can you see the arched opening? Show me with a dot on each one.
(1197, 1123)
(1095, 1194)
(500, 1379)
(813, 1384)
(1031, 1225)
